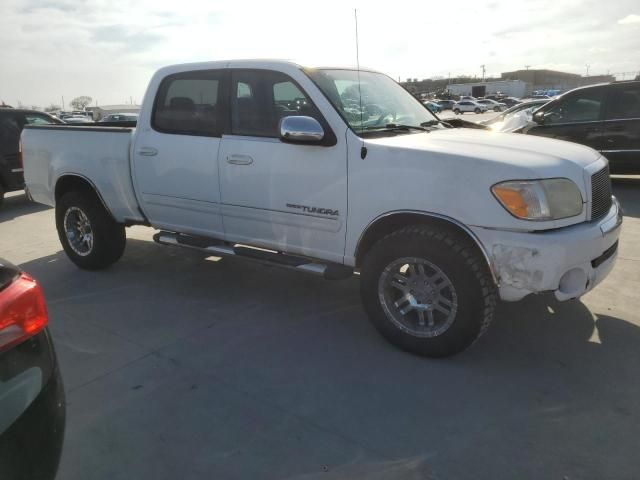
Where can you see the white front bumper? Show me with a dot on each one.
(569, 261)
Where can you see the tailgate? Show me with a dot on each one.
(100, 155)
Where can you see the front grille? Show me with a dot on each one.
(600, 193)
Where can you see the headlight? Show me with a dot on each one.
(550, 199)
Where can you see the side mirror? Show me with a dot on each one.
(300, 129)
(538, 117)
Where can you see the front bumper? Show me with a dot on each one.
(569, 261)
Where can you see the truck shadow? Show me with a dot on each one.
(627, 190)
(549, 384)
(16, 205)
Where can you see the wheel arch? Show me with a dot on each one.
(69, 182)
(392, 221)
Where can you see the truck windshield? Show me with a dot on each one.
(386, 106)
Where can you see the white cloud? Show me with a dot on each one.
(108, 49)
(629, 19)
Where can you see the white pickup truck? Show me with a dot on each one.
(334, 171)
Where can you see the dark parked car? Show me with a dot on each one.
(605, 117)
(510, 101)
(32, 404)
(11, 123)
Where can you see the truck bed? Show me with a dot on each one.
(99, 154)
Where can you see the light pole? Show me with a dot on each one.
(587, 65)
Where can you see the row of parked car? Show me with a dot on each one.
(80, 117)
(605, 117)
(478, 105)
(13, 120)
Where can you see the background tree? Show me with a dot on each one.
(79, 103)
(52, 108)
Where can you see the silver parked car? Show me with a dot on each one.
(492, 104)
(515, 117)
(468, 106)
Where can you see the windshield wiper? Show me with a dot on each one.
(431, 123)
(396, 126)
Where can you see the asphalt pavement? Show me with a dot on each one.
(179, 366)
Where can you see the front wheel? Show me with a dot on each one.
(477, 110)
(427, 290)
(456, 111)
(88, 234)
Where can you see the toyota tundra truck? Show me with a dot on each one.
(336, 171)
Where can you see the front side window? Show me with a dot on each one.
(581, 106)
(624, 103)
(262, 98)
(370, 101)
(188, 103)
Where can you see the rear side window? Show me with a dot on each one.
(188, 103)
(625, 103)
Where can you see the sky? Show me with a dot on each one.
(108, 49)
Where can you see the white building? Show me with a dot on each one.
(511, 88)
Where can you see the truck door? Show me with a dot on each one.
(274, 194)
(175, 154)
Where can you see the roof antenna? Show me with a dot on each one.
(363, 149)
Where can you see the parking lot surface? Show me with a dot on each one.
(178, 366)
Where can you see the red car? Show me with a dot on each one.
(32, 403)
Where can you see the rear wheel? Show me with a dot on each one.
(427, 290)
(88, 234)
(456, 111)
(497, 109)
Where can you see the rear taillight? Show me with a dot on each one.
(23, 311)
(20, 161)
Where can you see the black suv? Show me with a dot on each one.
(11, 123)
(604, 117)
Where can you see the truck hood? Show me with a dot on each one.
(536, 156)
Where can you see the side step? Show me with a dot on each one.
(329, 271)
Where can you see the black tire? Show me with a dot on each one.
(477, 110)
(497, 109)
(456, 111)
(457, 257)
(109, 238)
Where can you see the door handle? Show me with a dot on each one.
(148, 151)
(239, 159)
